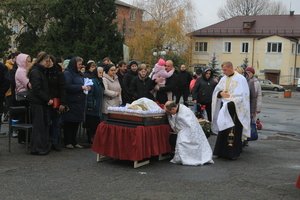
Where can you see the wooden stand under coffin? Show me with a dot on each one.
(133, 119)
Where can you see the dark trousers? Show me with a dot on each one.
(208, 110)
(91, 124)
(55, 127)
(222, 147)
(40, 140)
(184, 93)
(172, 141)
(70, 132)
(1, 110)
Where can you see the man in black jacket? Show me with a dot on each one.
(184, 79)
(122, 70)
(170, 85)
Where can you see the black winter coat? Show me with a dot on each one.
(39, 92)
(4, 81)
(203, 90)
(141, 88)
(184, 79)
(128, 96)
(75, 98)
(56, 82)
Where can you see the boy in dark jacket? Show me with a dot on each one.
(203, 90)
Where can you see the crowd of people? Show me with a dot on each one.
(64, 94)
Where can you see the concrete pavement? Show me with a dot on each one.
(267, 169)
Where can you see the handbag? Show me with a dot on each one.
(254, 135)
(21, 96)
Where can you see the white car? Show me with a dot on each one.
(268, 85)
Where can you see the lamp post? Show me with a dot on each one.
(157, 53)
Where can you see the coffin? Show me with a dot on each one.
(137, 119)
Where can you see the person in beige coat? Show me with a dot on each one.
(112, 89)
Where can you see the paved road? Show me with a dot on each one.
(267, 169)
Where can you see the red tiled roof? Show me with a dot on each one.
(262, 26)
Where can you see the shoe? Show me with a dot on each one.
(245, 143)
(14, 134)
(55, 147)
(42, 153)
(78, 146)
(69, 146)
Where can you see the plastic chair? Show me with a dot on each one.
(15, 111)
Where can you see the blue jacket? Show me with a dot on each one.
(75, 98)
(95, 98)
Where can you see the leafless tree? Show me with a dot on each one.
(170, 21)
(162, 11)
(276, 8)
(250, 7)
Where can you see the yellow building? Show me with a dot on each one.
(269, 42)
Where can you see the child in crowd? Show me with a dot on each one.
(161, 75)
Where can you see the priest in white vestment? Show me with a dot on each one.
(192, 147)
(230, 113)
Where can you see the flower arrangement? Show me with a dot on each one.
(206, 126)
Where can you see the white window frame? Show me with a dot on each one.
(243, 49)
(201, 46)
(273, 47)
(227, 47)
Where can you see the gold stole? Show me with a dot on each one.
(228, 81)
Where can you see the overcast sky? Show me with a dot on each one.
(206, 11)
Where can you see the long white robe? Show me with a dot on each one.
(239, 95)
(192, 147)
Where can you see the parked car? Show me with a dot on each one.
(298, 85)
(268, 85)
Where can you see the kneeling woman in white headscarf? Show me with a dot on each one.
(192, 147)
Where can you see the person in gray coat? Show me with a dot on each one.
(112, 89)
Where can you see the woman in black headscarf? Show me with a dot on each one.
(75, 99)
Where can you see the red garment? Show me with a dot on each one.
(131, 143)
(192, 84)
(298, 182)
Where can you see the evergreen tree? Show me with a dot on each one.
(84, 28)
(213, 64)
(66, 27)
(31, 18)
(4, 39)
(245, 64)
